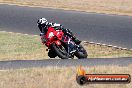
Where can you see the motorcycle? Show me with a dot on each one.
(62, 45)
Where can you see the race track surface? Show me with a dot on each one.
(108, 29)
(90, 62)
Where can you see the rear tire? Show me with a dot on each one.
(57, 49)
(81, 53)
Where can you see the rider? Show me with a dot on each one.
(43, 25)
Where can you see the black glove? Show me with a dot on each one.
(43, 39)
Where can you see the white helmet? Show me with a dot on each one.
(42, 21)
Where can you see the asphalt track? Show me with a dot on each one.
(91, 62)
(109, 29)
(92, 27)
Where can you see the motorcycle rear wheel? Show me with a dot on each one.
(60, 51)
(81, 53)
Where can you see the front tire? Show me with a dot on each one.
(60, 51)
(52, 54)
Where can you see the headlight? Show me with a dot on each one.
(51, 34)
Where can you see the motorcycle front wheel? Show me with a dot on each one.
(52, 54)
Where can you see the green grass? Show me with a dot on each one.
(15, 46)
(97, 51)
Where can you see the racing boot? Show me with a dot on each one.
(76, 40)
(71, 50)
(69, 33)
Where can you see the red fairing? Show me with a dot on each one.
(53, 36)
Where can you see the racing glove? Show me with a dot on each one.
(43, 39)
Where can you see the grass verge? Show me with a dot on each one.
(55, 77)
(15, 46)
(120, 7)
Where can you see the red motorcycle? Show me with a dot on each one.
(62, 45)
